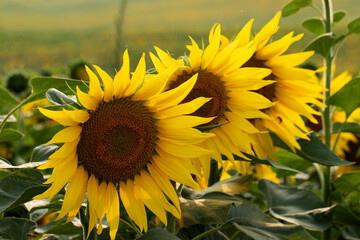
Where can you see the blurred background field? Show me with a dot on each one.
(47, 35)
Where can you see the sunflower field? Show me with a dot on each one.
(242, 136)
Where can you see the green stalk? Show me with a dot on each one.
(85, 224)
(326, 188)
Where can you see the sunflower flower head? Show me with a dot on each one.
(129, 140)
(293, 90)
(231, 89)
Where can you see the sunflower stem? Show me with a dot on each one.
(326, 187)
(84, 222)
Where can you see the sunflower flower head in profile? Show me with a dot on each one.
(294, 89)
(232, 90)
(129, 140)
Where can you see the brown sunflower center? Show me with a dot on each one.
(269, 90)
(207, 85)
(118, 140)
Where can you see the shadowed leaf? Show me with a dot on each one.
(20, 187)
(15, 228)
(8, 135)
(297, 206)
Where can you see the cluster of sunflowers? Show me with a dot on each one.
(130, 137)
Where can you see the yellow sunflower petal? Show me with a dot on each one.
(78, 116)
(133, 204)
(181, 122)
(244, 35)
(137, 78)
(212, 48)
(165, 58)
(101, 201)
(195, 55)
(175, 170)
(69, 134)
(181, 109)
(267, 31)
(184, 136)
(113, 212)
(62, 175)
(94, 86)
(92, 195)
(86, 100)
(122, 78)
(59, 116)
(53, 162)
(182, 151)
(75, 193)
(155, 85)
(163, 181)
(108, 84)
(290, 60)
(278, 47)
(65, 150)
(172, 97)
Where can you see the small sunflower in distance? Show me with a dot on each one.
(294, 88)
(130, 137)
(232, 104)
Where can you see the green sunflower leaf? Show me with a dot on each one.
(297, 206)
(314, 25)
(323, 43)
(316, 151)
(158, 234)
(343, 215)
(338, 16)
(347, 97)
(294, 6)
(42, 152)
(20, 187)
(346, 127)
(9, 134)
(252, 222)
(265, 161)
(347, 182)
(40, 85)
(291, 159)
(208, 128)
(351, 232)
(211, 206)
(7, 98)
(57, 97)
(15, 228)
(354, 26)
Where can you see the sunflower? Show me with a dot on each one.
(130, 139)
(294, 89)
(234, 102)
